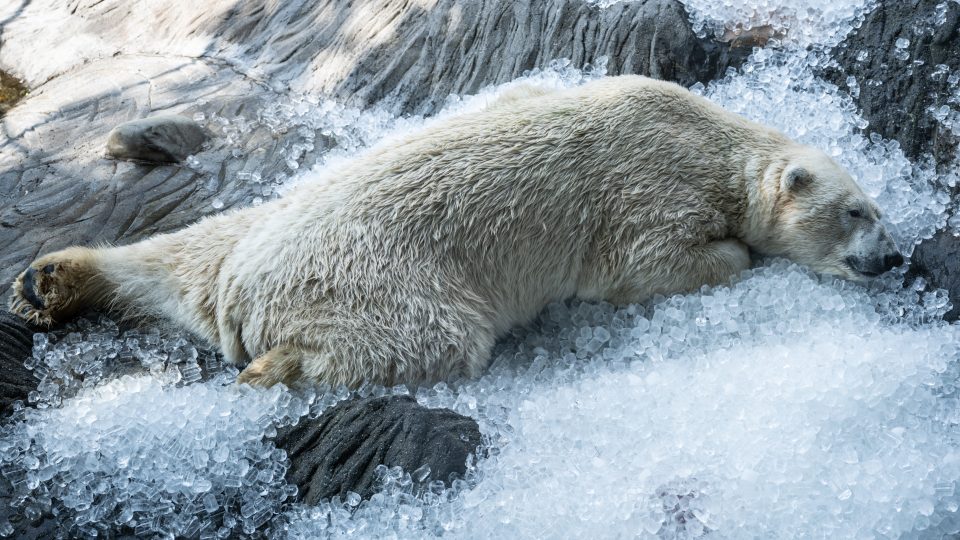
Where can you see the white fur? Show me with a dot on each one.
(408, 262)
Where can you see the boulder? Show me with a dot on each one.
(167, 138)
(895, 59)
(338, 452)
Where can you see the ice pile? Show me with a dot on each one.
(801, 22)
(84, 353)
(304, 123)
(159, 460)
(783, 405)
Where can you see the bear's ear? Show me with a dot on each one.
(795, 178)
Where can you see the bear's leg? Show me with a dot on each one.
(57, 285)
(685, 270)
(278, 365)
(373, 354)
(708, 264)
(157, 277)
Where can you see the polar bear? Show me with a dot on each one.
(405, 264)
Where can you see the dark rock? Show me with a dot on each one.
(896, 93)
(16, 344)
(459, 47)
(167, 138)
(938, 261)
(897, 89)
(16, 382)
(45, 527)
(339, 451)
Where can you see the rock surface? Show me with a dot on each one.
(339, 451)
(166, 138)
(893, 58)
(937, 260)
(365, 50)
(222, 58)
(16, 343)
(899, 84)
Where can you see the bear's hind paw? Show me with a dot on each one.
(47, 292)
(278, 365)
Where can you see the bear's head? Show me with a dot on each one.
(812, 212)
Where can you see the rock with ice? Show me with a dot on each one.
(937, 262)
(83, 354)
(161, 139)
(336, 454)
(138, 453)
(925, 119)
(802, 22)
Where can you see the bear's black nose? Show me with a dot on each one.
(892, 261)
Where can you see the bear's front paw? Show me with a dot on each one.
(49, 290)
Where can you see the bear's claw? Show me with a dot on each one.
(28, 288)
(41, 295)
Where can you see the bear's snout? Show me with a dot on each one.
(874, 266)
(892, 261)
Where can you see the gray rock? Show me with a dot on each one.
(16, 382)
(16, 344)
(339, 451)
(367, 50)
(459, 47)
(166, 138)
(938, 261)
(896, 92)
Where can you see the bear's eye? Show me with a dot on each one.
(856, 213)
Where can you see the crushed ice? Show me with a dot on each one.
(784, 404)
